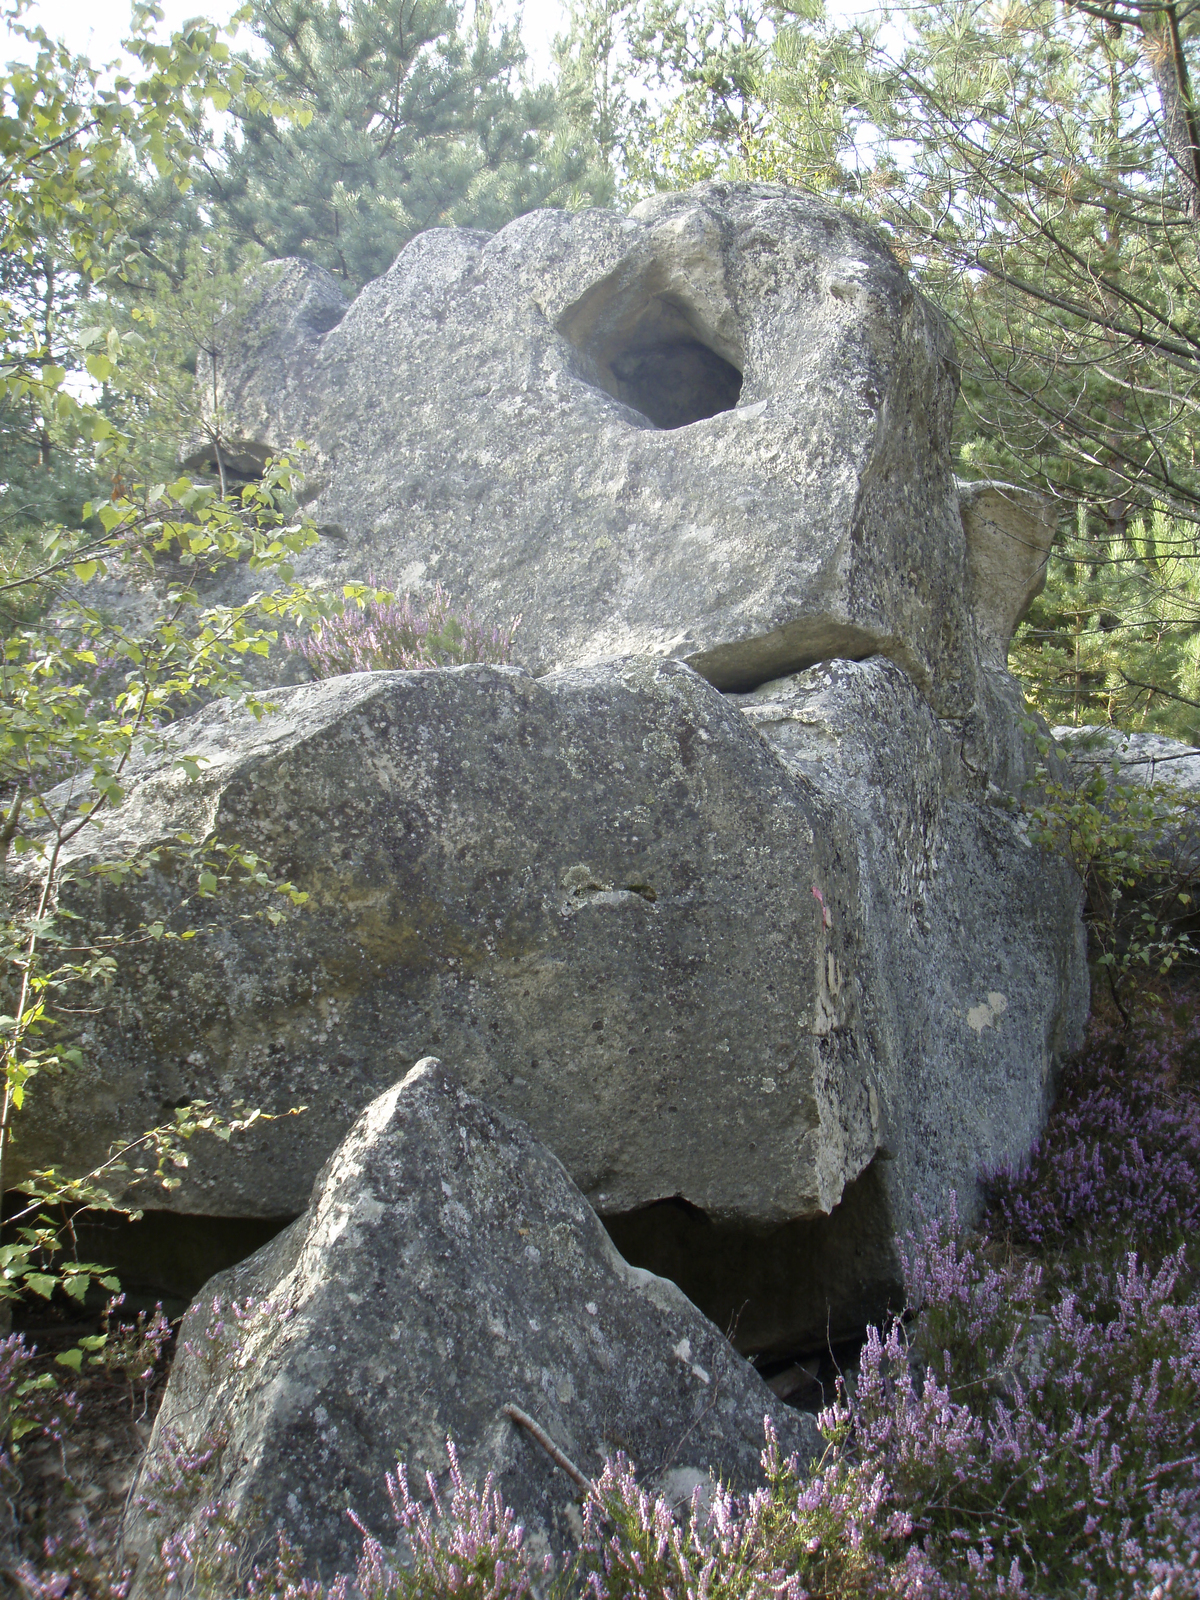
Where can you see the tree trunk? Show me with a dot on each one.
(1162, 46)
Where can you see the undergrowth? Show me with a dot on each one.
(379, 632)
(1117, 1167)
(1030, 1428)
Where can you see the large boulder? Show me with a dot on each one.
(769, 970)
(446, 1268)
(1139, 759)
(716, 429)
(745, 978)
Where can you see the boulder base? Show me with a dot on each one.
(730, 955)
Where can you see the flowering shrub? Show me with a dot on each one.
(471, 1547)
(63, 1550)
(831, 1534)
(379, 633)
(1063, 1449)
(208, 1551)
(999, 1453)
(29, 1401)
(1119, 1162)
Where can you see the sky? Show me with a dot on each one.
(94, 27)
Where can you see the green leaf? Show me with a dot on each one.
(38, 1385)
(70, 1358)
(41, 1283)
(85, 571)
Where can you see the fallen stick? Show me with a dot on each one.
(524, 1420)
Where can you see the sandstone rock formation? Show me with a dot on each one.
(716, 429)
(1149, 761)
(1140, 758)
(1009, 532)
(767, 969)
(446, 1267)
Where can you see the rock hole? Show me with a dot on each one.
(809, 1381)
(322, 317)
(676, 382)
(777, 1293)
(244, 460)
(653, 353)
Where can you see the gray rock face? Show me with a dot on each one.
(1150, 761)
(716, 429)
(570, 885)
(765, 969)
(1009, 532)
(945, 884)
(446, 1267)
(1140, 758)
(738, 973)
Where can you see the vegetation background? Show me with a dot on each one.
(1036, 165)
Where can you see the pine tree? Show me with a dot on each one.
(602, 103)
(1115, 635)
(45, 476)
(418, 120)
(77, 149)
(682, 90)
(1047, 197)
(1028, 171)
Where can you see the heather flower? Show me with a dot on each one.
(1072, 1473)
(384, 633)
(72, 1569)
(1120, 1158)
(470, 1547)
